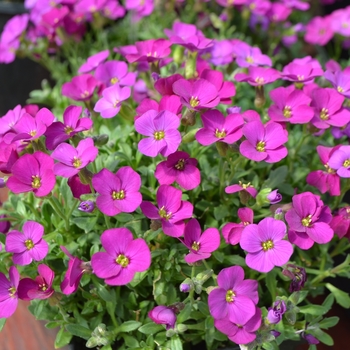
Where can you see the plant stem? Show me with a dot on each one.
(59, 212)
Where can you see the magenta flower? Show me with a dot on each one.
(124, 257)
(340, 81)
(319, 31)
(276, 312)
(8, 156)
(264, 142)
(291, 106)
(115, 72)
(150, 51)
(8, 51)
(340, 161)
(93, 62)
(161, 129)
(340, 223)
(181, 168)
(171, 211)
(218, 128)
(27, 246)
(77, 187)
(139, 8)
(76, 269)
(109, 105)
(265, 245)
(72, 160)
(59, 132)
(240, 333)
(10, 119)
(165, 85)
(301, 72)
(258, 76)
(8, 292)
(221, 53)
(81, 88)
(235, 299)
(200, 245)
(327, 105)
(308, 221)
(32, 172)
(326, 180)
(196, 95)
(233, 232)
(242, 187)
(117, 192)
(249, 56)
(40, 288)
(14, 28)
(163, 315)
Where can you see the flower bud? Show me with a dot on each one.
(234, 109)
(86, 206)
(2, 183)
(163, 315)
(274, 197)
(276, 312)
(298, 276)
(100, 140)
(186, 286)
(278, 214)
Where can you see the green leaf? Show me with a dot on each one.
(328, 302)
(151, 328)
(63, 338)
(235, 260)
(86, 223)
(176, 343)
(323, 337)
(2, 323)
(123, 217)
(53, 324)
(184, 314)
(130, 341)
(276, 177)
(79, 330)
(329, 322)
(341, 297)
(271, 283)
(313, 309)
(128, 326)
(21, 209)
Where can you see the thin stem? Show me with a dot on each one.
(59, 212)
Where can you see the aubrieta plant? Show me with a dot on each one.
(184, 184)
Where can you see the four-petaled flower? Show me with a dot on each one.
(9, 293)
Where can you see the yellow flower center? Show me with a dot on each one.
(340, 89)
(300, 77)
(259, 80)
(180, 164)
(43, 287)
(194, 102)
(287, 111)
(36, 183)
(118, 195)
(329, 169)
(244, 186)
(12, 292)
(84, 94)
(306, 221)
(195, 246)
(260, 146)
(346, 163)
(159, 135)
(77, 162)
(68, 129)
(249, 59)
(32, 133)
(324, 114)
(267, 245)
(220, 134)
(230, 296)
(114, 80)
(122, 260)
(163, 214)
(115, 103)
(29, 244)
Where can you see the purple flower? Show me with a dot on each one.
(86, 206)
(196, 95)
(308, 221)
(310, 338)
(81, 88)
(93, 62)
(276, 312)
(341, 223)
(40, 288)
(32, 172)
(249, 56)
(139, 8)
(264, 142)
(124, 257)
(163, 315)
(221, 53)
(319, 31)
(265, 245)
(274, 197)
(339, 160)
(117, 192)
(8, 51)
(258, 76)
(8, 292)
(150, 51)
(59, 132)
(171, 211)
(340, 81)
(298, 276)
(301, 72)
(235, 299)
(218, 128)
(77, 187)
(181, 168)
(109, 105)
(72, 160)
(232, 232)
(27, 246)
(14, 28)
(200, 245)
(161, 129)
(240, 333)
(326, 180)
(115, 72)
(242, 187)
(10, 119)
(4, 224)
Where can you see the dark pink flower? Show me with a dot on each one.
(163, 315)
(40, 288)
(200, 245)
(124, 257)
(10, 119)
(8, 292)
(249, 56)
(242, 187)
(340, 223)
(93, 62)
(8, 156)
(32, 172)
(81, 88)
(77, 187)
(264, 142)
(301, 72)
(319, 31)
(181, 168)
(165, 85)
(14, 28)
(117, 192)
(258, 76)
(340, 80)
(150, 51)
(171, 211)
(115, 72)
(340, 161)
(27, 246)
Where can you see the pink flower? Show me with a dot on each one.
(242, 187)
(340, 161)
(77, 187)
(81, 88)
(340, 81)
(40, 288)
(117, 192)
(150, 51)
(340, 223)
(265, 245)
(264, 142)
(301, 72)
(249, 56)
(163, 315)
(27, 246)
(258, 76)
(200, 245)
(8, 292)
(181, 168)
(32, 172)
(93, 62)
(115, 72)
(72, 160)
(171, 211)
(319, 31)
(124, 257)
(161, 129)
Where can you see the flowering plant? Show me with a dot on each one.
(172, 196)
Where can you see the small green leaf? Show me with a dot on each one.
(176, 343)
(63, 338)
(328, 302)
(323, 337)
(2, 323)
(130, 341)
(329, 322)
(52, 324)
(313, 310)
(184, 314)
(271, 283)
(151, 328)
(341, 297)
(79, 330)
(128, 326)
